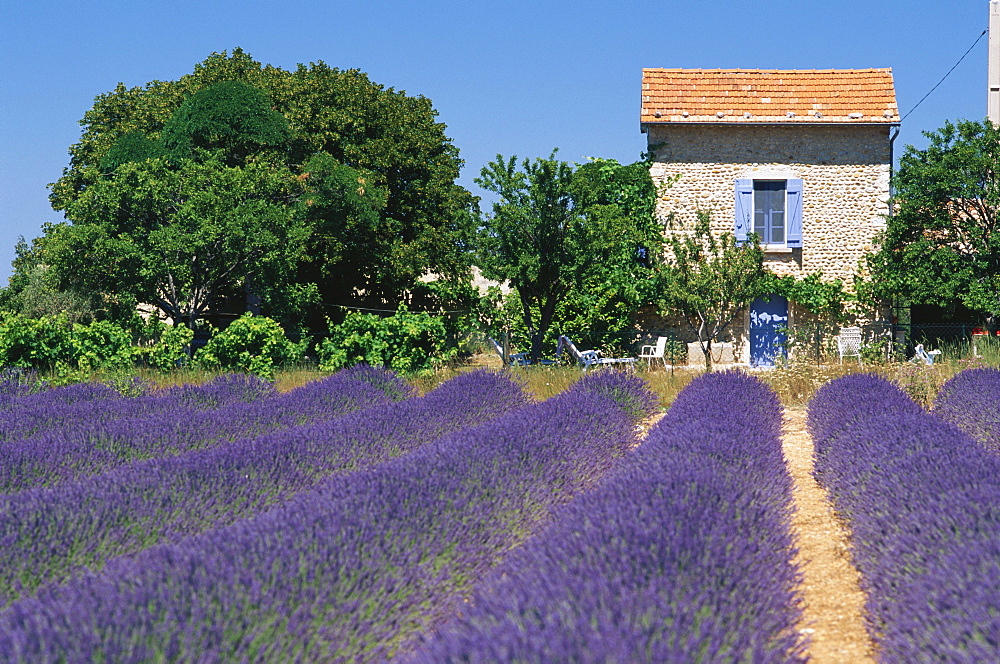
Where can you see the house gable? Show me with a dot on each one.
(802, 158)
(827, 131)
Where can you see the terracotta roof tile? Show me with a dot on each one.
(769, 95)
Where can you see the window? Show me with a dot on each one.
(770, 208)
(769, 211)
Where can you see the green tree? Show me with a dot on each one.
(33, 290)
(942, 242)
(181, 237)
(711, 279)
(228, 121)
(558, 232)
(308, 122)
(824, 300)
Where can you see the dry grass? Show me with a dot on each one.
(176, 377)
(794, 384)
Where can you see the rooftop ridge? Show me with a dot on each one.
(857, 96)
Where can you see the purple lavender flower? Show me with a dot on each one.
(681, 555)
(344, 572)
(923, 501)
(50, 533)
(971, 400)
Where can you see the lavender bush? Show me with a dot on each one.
(971, 401)
(923, 501)
(851, 399)
(185, 419)
(681, 555)
(58, 410)
(223, 390)
(45, 535)
(344, 572)
(16, 382)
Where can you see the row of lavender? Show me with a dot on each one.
(350, 569)
(922, 498)
(681, 555)
(76, 431)
(48, 533)
(971, 401)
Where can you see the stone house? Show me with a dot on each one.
(801, 157)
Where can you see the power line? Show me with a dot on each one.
(946, 75)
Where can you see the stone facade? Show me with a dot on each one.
(844, 169)
(845, 180)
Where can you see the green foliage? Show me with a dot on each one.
(131, 147)
(406, 342)
(33, 290)
(710, 280)
(53, 343)
(457, 304)
(102, 345)
(942, 243)
(171, 345)
(595, 316)
(825, 303)
(821, 298)
(181, 236)
(350, 234)
(252, 344)
(575, 244)
(229, 121)
(257, 142)
(36, 343)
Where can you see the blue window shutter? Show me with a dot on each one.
(744, 209)
(794, 232)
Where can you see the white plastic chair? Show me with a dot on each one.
(849, 343)
(925, 356)
(654, 352)
(589, 358)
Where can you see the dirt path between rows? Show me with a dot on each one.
(832, 598)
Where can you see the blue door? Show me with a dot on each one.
(768, 322)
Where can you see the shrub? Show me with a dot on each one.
(53, 343)
(407, 341)
(682, 554)
(171, 347)
(347, 422)
(921, 497)
(102, 345)
(255, 344)
(343, 572)
(851, 399)
(36, 343)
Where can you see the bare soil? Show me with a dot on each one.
(833, 601)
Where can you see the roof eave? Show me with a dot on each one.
(805, 123)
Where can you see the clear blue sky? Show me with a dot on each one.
(506, 77)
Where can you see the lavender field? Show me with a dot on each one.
(921, 493)
(352, 520)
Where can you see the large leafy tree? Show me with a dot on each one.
(711, 279)
(33, 290)
(180, 237)
(559, 232)
(338, 160)
(942, 242)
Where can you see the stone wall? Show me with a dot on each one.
(845, 173)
